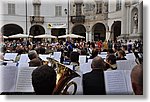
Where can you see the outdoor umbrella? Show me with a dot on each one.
(5, 37)
(20, 36)
(45, 36)
(71, 36)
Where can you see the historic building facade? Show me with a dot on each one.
(93, 19)
(107, 19)
(89, 18)
(33, 17)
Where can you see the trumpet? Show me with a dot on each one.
(64, 75)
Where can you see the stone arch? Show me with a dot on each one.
(79, 30)
(11, 29)
(99, 31)
(37, 30)
(115, 30)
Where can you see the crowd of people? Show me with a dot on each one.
(93, 82)
(43, 47)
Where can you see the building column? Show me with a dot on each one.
(108, 37)
(140, 18)
(87, 36)
(90, 36)
(128, 20)
(66, 31)
(124, 19)
(88, 33)
(49, 33)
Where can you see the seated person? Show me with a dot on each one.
(110, 52)
(121, 55)
(94, 53)
(74, 58)
(93, 82)
(34, 59)
(83, 52)
(111, 62)
(137, 79)
(44, 80)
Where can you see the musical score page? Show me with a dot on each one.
(8, 76)
(115, 83)
(24, 80)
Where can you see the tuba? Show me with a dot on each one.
(64, 75)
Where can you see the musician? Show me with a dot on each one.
(41, 49)
(34, 59)
(137, 79)
(110, 52)
(93, 82)
(121, 55)
(74, 58)
(44, 80)
(94, 53)
(111, 62)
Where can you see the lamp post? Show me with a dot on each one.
(26, 15)
(67, 12)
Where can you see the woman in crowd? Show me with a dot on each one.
(121, 55)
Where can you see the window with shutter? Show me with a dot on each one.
(58, 10)
(118, 5)
(11, 9)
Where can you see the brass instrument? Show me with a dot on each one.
(108, 65)
(64, 75)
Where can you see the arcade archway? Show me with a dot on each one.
(37, 30)
(11, 29)
(79, 30)
(99, 32)
(115, 30)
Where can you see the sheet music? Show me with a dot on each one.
(23, 65)
(103, 56)
(24, 58)
(10, 56)
(130, 56)
(82, 59)
(125, 64)
(24, 80)
(44, 57)
(90, 61)
(85, 67)
(8, 76)
(103, 53)
(115, 83)
(10, 63)
(132, 64)
(57, 56)
(127, 74)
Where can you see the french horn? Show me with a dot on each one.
(64, 77)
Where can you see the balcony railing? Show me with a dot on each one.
(77, 19)
(36, 19)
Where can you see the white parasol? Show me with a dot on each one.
(71, 36)
(45, 36)
(20, 36)
(5, 37)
